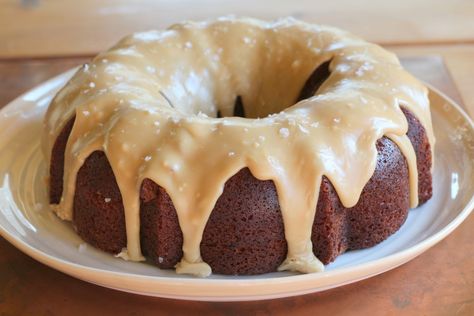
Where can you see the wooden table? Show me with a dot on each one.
(435, 39)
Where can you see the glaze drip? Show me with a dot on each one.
(162, 105)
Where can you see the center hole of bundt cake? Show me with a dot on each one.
(312, 84)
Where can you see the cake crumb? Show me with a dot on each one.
(107, 200)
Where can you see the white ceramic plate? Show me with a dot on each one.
(27, 223)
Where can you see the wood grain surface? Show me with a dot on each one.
(438, 282)
(61, 27)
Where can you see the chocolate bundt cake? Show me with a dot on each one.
(239, 146)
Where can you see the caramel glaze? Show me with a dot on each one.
(151, 102)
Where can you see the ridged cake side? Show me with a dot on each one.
(245, 233)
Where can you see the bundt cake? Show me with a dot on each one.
(239, 146)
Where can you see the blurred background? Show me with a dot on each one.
(64, 28)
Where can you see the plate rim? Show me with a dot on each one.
(389, 262)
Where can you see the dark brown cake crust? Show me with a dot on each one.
(417, 135)
(98, 209)
(245, 234)
(56, 170)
